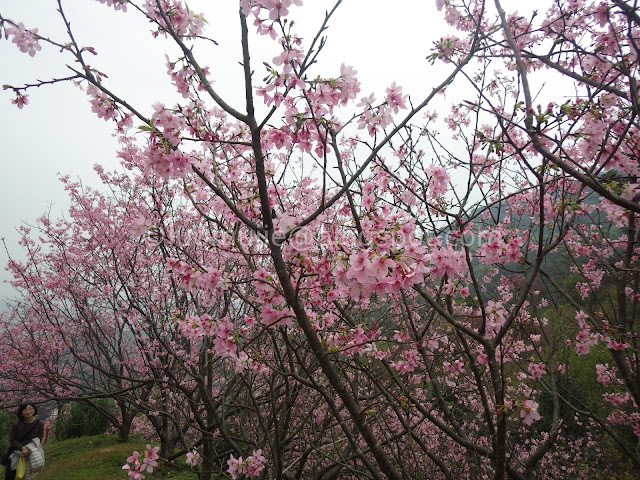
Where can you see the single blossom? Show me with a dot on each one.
(20, 100)
(529, 412)
(193, 458)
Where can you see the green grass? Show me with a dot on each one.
(99, 457)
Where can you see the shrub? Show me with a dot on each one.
(6, 419)
(81, 419)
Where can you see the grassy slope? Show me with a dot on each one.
(97, 458)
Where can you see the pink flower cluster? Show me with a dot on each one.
(446, 48)
(445, 260)
(536, 370)
(25, 40)
(170, 124)
(455, 367)
(219, 331)
(585, 338)
(370, 272)
(438, 180)
(500, 246)
(376, 118)
(274, 312)
(244, 362)
(101, 104)
(393, 258)
(274, 8)
(207, 283)
(354, 341)
(496, 316)
(317, 98)
(116, 4)
(278, 138)
(455, 16)
(180, 78)
(136, 467)
(613, 344)
(162, 155)
(250, 467)
(223, 335)
(183, 21)
(290, 55)
(606, 375)
(408, 363)
(329, 93)
(166, 162)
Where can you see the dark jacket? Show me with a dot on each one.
(22, 433)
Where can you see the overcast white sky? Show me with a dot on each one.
(57, 133)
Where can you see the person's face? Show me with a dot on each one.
(28, 411)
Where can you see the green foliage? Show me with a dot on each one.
(585, 379)
(99, 457)
(6, 419)
(80, 419)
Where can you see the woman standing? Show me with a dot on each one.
(23, 431)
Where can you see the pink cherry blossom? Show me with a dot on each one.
(103, 106)
(536, 370)
(438, 180)
(395, 98)
(193, 458)
(20, 101)
(250, 467)
(25, 40)
(116, 4)
(529, 412)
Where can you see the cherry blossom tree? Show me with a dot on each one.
(78, 318)
(100, 316)
(374, 291)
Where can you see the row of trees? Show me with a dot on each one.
(323, 285)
